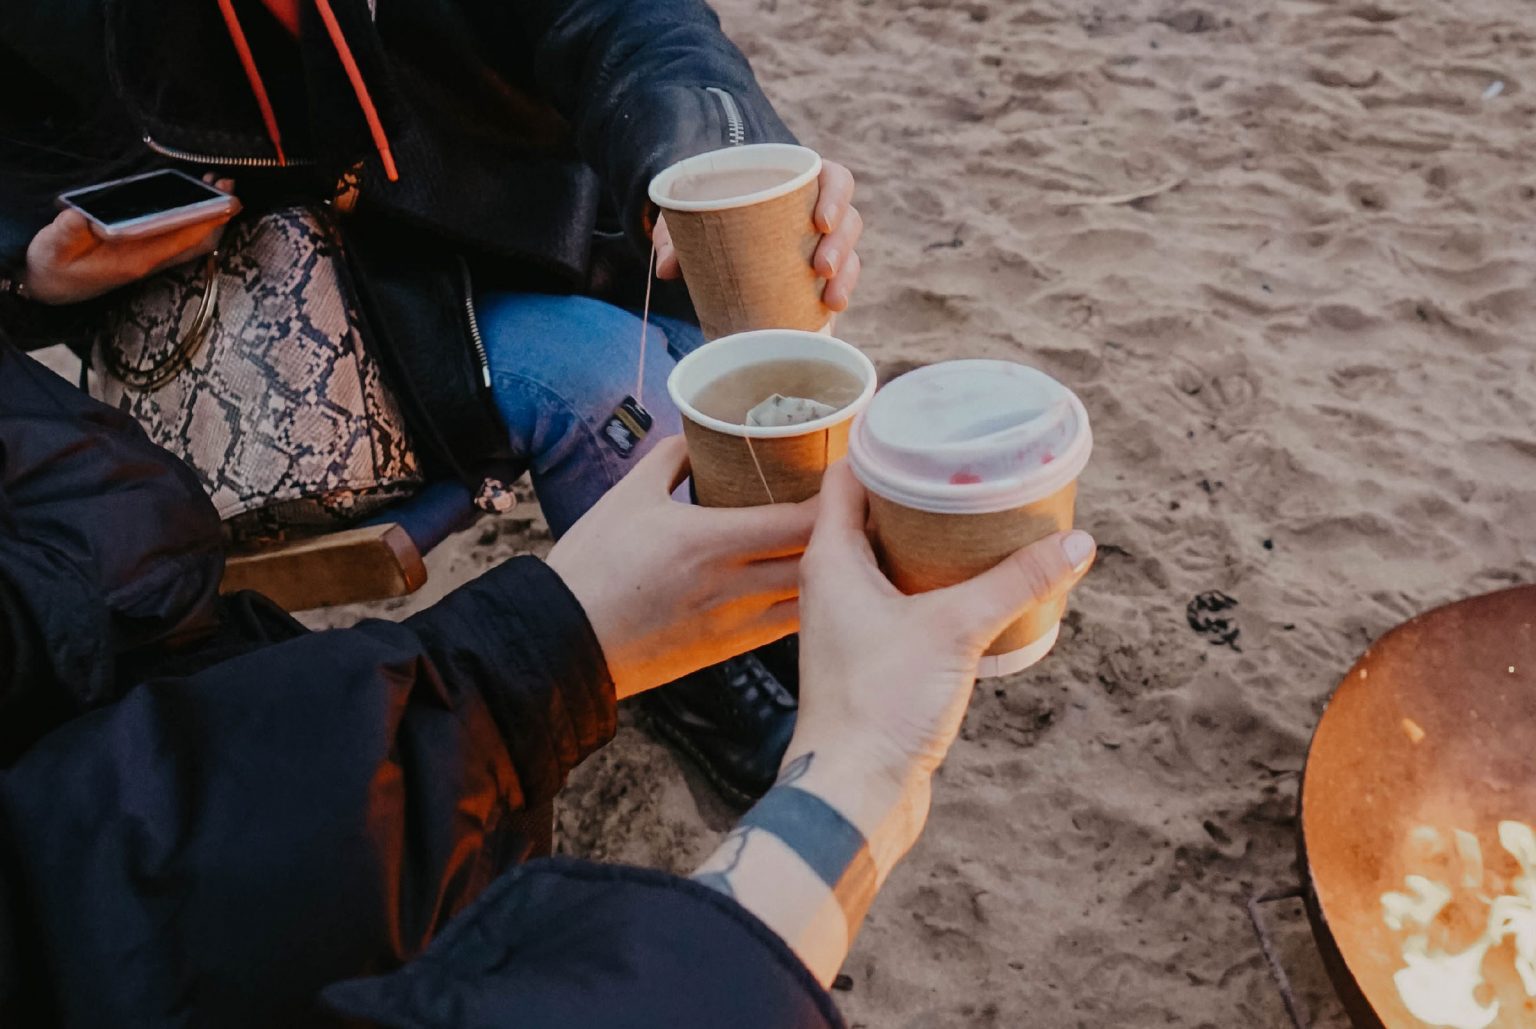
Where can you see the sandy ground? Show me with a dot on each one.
(1308, 363)
(1309, 367)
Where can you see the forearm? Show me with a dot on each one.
(810, 856)
(519, 638)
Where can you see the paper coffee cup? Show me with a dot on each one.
(967, 462)
(741, 219)
(747, 465)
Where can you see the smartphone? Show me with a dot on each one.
(148, 204)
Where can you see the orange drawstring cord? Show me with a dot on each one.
(287, 13)
(248, 61)
(375, 126)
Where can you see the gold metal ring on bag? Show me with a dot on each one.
(185, 348)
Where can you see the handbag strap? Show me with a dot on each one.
(163, 370)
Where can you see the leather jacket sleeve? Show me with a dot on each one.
(635, 79)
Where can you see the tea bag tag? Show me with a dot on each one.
(781, 410)
(628, 426)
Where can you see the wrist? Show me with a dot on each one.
(887, 806)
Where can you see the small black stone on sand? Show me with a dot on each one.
(1205, 617)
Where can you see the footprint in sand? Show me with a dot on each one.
(1343, 317)
(1189, 20)
(1224, 387)
(1373, 13)
(1367, 196)
(1345, 75)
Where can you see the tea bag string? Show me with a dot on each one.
(759, 466)
(826, 461)
(645, 320)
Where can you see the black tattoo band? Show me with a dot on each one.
(829, 844)
(824, 839)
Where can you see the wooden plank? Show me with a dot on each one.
(370, 563)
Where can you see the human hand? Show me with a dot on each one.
(884, 683)
(885, 678)
(836, 258)
(671, 588)
(68, 263)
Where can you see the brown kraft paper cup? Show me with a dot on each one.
(965, 463)
(746, 466)
(747, 260)
(925, 550)
(725, 473)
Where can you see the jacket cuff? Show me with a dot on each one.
(565, 942)
(33, 325)
(520, 632)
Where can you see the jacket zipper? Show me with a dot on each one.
(474, 325)
(190, 157)
(735, 128)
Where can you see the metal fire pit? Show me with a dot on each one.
(1465, 674)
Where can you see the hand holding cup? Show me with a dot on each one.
(886, 677)
(755, 239)
(836, 258)
(671, 588)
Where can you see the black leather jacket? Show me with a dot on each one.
(525, 134)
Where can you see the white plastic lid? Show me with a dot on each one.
(970, 437)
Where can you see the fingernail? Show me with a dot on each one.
(1078, 546)
(831, 257)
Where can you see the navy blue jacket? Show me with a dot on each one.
(210, 816)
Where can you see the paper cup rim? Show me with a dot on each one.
(971, 498)
(740, 157)
(850, 410)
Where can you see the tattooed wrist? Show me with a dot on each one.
(818, 834)
(810, 856)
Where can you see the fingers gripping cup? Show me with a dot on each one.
(741, 220)
(967, 462)
(766, 412)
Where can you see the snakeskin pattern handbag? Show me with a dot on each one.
(251, 366)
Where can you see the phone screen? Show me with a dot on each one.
(125, 201)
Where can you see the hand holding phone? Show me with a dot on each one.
(69, 261)
(149, 204)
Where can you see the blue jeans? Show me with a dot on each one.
(560, 367)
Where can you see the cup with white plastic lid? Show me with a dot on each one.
(965, 463)
(741, 219)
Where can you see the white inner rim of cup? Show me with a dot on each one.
(803, 161)
(707, 364)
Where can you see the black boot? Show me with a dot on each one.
(733, 719)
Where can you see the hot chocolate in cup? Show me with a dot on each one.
(741, 220)
(965, 463)
(735, 464)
